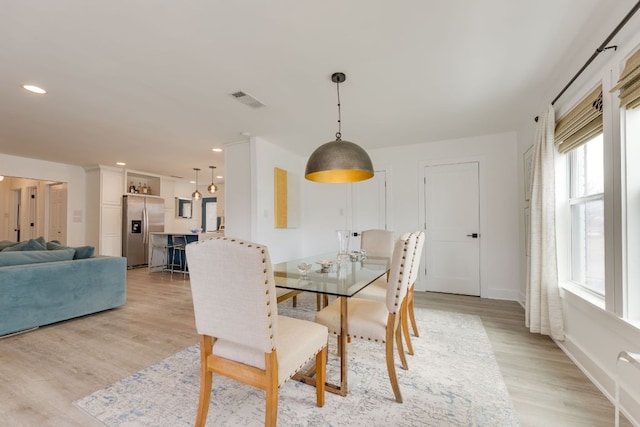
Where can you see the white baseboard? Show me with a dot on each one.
(501, 294)
(597, 376)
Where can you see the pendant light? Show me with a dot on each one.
(196, 194)
(339, 161)
(212, 188)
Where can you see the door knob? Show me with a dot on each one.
(474, 235)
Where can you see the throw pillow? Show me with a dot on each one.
(83, 252)
(28, 245)
(55, 245)
(6, 244)
(41, 241)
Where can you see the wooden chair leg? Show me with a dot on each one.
(206, 344)
(398, 337)
(411, 312)
(321, 370)
(271, 389)
(391, 366)
(405, 325)
(294, 303)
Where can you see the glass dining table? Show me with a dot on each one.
(340, 279)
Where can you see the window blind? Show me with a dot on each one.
(629, 83)
(581, 123)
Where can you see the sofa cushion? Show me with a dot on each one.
(6, 243)
(83, 252)
(27, 245)
(34, 257)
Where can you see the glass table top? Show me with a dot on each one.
(340, 279)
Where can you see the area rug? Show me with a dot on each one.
(453, 380)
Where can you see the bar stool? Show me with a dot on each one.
(163, 247)
(179, 244)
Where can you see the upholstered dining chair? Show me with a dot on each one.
(378, 321)
(377, 242)
(241, 334)
(408, 311)
(377, 292)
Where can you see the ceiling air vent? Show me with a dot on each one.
(247, 99)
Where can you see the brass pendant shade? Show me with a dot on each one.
(212, 188)
(196, 194)
(339, 161)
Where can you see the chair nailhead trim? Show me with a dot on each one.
(360, 338)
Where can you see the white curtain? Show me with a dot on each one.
(543, 310)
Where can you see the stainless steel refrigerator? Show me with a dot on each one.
(140, 216)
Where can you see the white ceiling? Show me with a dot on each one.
(149, 82)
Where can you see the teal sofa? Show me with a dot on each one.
(38, 287)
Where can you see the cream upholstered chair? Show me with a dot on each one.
(241, 334)
(377, 291)
(408, 312)
(374, 320)
(377, 242)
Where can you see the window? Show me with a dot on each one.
(586, 201)
(631, 303)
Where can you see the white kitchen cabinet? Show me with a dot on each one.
(105, 187)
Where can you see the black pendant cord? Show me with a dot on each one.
(598, 51)
(339, 133)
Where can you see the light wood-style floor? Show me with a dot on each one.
(44, 371)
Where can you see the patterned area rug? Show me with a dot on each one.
(453, 380)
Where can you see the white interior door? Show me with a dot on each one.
(58, 213)
(369, 206)
(15, 214)
(452, 248)
(31, 229)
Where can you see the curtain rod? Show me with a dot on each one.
(598, 51)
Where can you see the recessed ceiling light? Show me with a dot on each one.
(219, 176)
(217, 150)
(192, 182)
(34, 89)
(121, 163)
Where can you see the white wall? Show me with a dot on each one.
(497, 155)
(238, 180)
(325, 210)
(326, 206)
(74, 176)
(283, 243)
